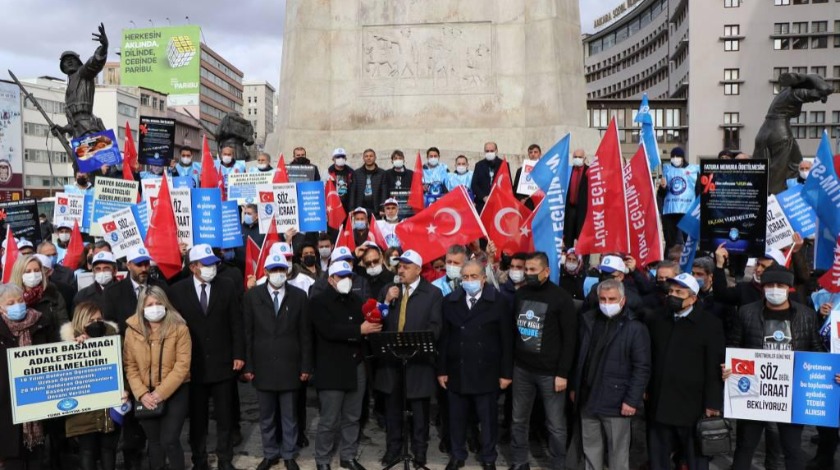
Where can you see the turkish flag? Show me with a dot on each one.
(741, 366)
(270, 239)
(452, 220)
(605, 228)
(345, 237)
(73, 256)
(645, 230)
(62, 201)
(162, 236)
(335, 211)
(266, 196)
(11, 254)
(375, 235)
(503, 214)
(252, 255)
(210, 177)
(109, 227)
(415, 196)
(280, 173)
(830, 281)
(522, 240)
(130, 158)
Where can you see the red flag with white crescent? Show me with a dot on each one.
(645, 231)
(345, 236)
(10, 255)
(335, 210)
(271, 237)
(130, 157)
(830, 281)
(375, 235)
(162, 237)
(281, 175)
(503, 214)
(252, 255)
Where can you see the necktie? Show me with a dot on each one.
(276, 302)
(403, 308)
(473, 300)
(203, 299)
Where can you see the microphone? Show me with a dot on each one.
(372, 312)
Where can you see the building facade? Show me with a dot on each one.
(259, 109)
(46, 166)
(722, 60)
(221, 88)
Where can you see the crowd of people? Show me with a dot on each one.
(614, 356)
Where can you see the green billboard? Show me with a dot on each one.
(165, 59)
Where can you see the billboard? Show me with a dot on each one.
(165, 59)
(11, 143)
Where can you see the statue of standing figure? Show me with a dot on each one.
(235, 131)
(775, 140)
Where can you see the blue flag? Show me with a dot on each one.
(647, 134)
(822, 188)
(690, 224)
(551, 173)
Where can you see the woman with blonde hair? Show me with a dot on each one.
(156, 359)
(96, 432)
(39, 293)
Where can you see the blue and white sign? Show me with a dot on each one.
(207, 216)
(801, 215)
(242, 187)
(816, 395)
(94, 150)
(87, 218)
(313, 206)
(231, 226)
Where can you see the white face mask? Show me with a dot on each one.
(676, 161)
(576, 161)
(516, 275)
(804, 174)
(64, 237)
(277, 279)
(461, 169)
(339, 162)
(374, 271)
(393, 261)
(392, 218)
(186, 161)
(208, 273)
(453, 272)
(104, 277)
(154, 313)
(490, 156)
(344, 286)
(226, 159)
(433, 161)
(572, 267)
(324, 252)
(32, 279)
(262, 166)
(776, 295)
(399, 163)
(610, 310)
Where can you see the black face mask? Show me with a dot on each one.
(309, 261)
(95, 329)
(532, 280)
(674, 304)
(82, 181)
(605, 277)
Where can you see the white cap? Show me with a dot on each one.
(138, 254)
(341, 268)
(341, 253)
(391, 200)
(775, 254)
(411, 256)
(103, 257)
(275, 260)
(611, 264)
(24, 243)
(45, 260)
(686, 280)
(339, 151)
(63, 224)
(359, 210)
(202, 253)
(280, 248)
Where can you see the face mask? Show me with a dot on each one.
(43, 221)
(393, 261)
(453, 272)
(277, 279)
(186, 161)
(248, 219)
(228, 255)
(262, 166)
(64, 238)
(344, 286)
(532, 280)
(433, 161)
(103, 278)
(700, 282)
(516, 275)
(674, 304)
(208, 273)
(392, 219)
(226, 159)
(677, 161)
(399, 163)
(82, 181)
(359, 225)
(32, 279)
(461, 169)
(489, 156)
(54, 259)
(339, 162)
(324, 252)
(756, 278)
(16, 312)
(776, 295)
(158, 170)
(309, 260)
(577, 161)
(154, 313)
(95, 329)
(804, 174)
(610, 310)
(572, 267)
(472, 287)
(374, 271)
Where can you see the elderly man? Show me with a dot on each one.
(578, 198)
(483, 174)
(610, 377)
(104, 275)
(456, 257)
(804, 170)
(263, 164)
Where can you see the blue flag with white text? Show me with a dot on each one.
(647, 134)
(822, 188)
(690, 225)
(551, 173)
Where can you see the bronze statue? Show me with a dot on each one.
(775, 140)
(237, 132)
(81, 86)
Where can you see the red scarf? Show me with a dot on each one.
(574, 184)
(33, 295)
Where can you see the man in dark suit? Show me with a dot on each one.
(687, 345)
(475, 361)
(104, 276)
(483, 174)
(278, 345)
(576, 203)
(367, 189)
(414, 305)
(213, 314)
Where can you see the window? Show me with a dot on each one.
(731, 3)
(731, 88)
(733, 45)
(821, 71)
(802, 70)
(130, 111)
(38, 130)
(800, 2)
(837, 33)
(820, 42)
(835, 117)
(731, 138)
(731, 30)
(800, 27)
(50, 106)
(818, 117)
(731, 74)
(819, 26)
(144, 100)
(781, 2)
(781, 44)
(781, 28)
(731, 118)
(600, 118)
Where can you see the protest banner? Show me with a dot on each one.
(278, 202)
(22, 216)
(94, 150)
(300, 173)
(87, 219)
(141, 215)
(733, 205)
(157, 141)
(527, 186)
(835, 329)
(782, 386)
(242, 187)
(68, 209)
(207, 216)
(313, 206)
(111, 195)
(779, 229)
(60, 379)
(231, 226)
(182, 207)
(122, 231)
(801, 215)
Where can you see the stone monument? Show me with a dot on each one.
(411, 74)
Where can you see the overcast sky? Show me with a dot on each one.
(248, 33)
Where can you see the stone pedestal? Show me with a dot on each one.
(411, 74)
